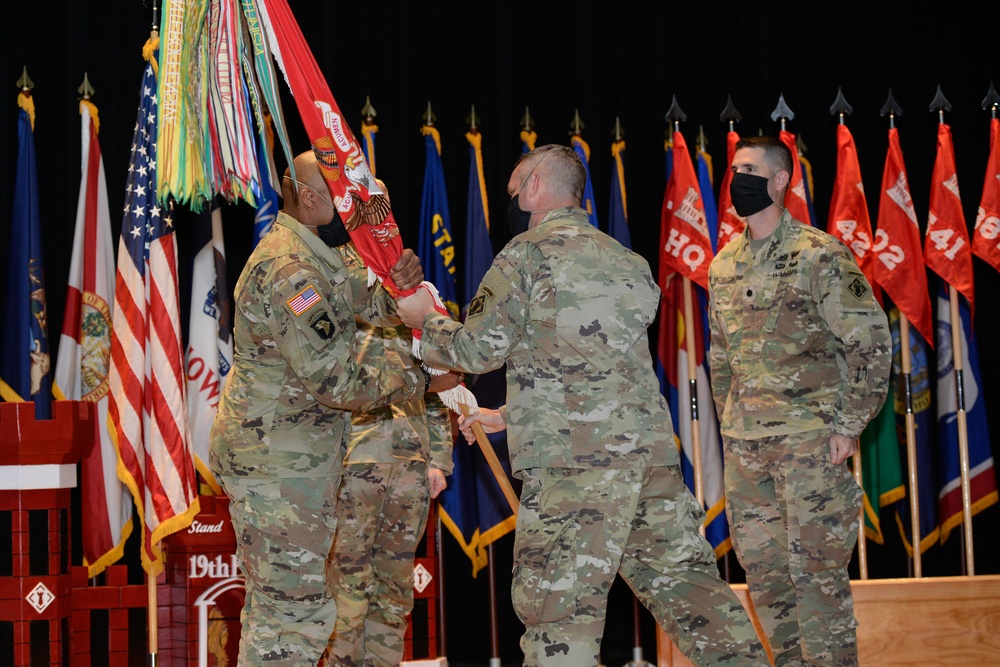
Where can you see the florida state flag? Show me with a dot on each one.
(985, 243)
(795, 197)
(946, 243)
(898, 265)
(731, 225)
(849, 219)
(685, 246)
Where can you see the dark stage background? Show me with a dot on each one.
(608, 60)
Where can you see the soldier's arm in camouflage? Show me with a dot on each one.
(847, 304)
(318, 344)
(721, 372)
(439, 430)
(496, 321)
(380, 310)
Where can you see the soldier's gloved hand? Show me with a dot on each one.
(407, 273)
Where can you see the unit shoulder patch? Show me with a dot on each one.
(303, 301)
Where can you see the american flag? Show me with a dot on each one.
(148, 411)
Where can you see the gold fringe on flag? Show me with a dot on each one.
(149, 50)
(25, 101)
(93, 114)
(616, 152)
(427, 129)
(529, 137)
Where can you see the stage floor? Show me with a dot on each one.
(932, 622)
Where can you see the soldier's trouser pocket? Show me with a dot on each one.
(545, 555)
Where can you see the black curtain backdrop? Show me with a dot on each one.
(608, 60)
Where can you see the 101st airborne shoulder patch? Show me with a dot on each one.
(322, 325)
(303, 301)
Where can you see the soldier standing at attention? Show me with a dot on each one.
(278, 441)
(800, 362)
(567, 307)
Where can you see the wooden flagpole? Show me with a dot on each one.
(957, 345)
(692, 368)
(911, 447)
(493, 461)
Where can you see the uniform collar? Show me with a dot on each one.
(775, 241)
(562, 212)
(315, 243)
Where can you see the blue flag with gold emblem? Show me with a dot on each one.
(436, 246)
(24, 364)
(473, 508)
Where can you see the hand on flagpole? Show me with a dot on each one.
(406, 273)
(491, 421)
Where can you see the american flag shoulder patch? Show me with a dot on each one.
(303, 301)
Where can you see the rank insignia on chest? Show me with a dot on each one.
(477, 305)
(322, 325)
(303, 301)
(858, 288)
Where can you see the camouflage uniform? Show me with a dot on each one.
(800, 350)
(567, 307)
(278, 441)
(382, 510)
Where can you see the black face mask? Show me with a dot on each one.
(749, 193)
(333, 234)
(517, 220)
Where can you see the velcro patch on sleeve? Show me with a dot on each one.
(303, 301)
(857, 286)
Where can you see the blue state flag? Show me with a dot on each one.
(436, 246)
(583, 150)
(473, 508)
(708, 197)
(265, 196)
(982, 475)
(617, 209)
(478, 246)
(25, 362)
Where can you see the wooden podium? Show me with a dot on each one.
(929, 622)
